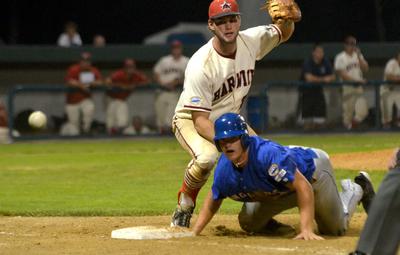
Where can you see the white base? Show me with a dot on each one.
(150, 232)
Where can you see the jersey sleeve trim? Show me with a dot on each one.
(279, 33)
(197, 108)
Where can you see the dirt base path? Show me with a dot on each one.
(91, 235)
(372, 160)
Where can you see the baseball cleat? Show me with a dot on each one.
(182, 216)
(357, 253)
(364, 181)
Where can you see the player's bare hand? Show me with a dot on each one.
(308, 235)
(363, 81)
(84, 87)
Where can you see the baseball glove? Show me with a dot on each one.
(283, 10)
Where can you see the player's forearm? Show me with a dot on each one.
(74, 83)
(331, 77)
(208, 211)
(123, 86)
(313, 78)
(363, 63)
(203, 125)
(345, 77)
(393, 78)
(305, 199)
(287, 29)
(97, 83)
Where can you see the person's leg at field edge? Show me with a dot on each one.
(380, 234)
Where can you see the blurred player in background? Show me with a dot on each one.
(217, 80)
(169, 73)
(122, 83)
(390, 93)
(4, 131)
(350, 65)
(270, 178)
(381, 232)
(80, 107)
(99, 41)
(316, 71)
(70, 37)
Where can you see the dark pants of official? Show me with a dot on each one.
(312, 102)
(381, 233)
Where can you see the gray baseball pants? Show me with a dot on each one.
(381, 232)
(329, 213)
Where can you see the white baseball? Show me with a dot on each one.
(37, 119)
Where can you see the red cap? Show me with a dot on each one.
(220, 8)
(129, 62)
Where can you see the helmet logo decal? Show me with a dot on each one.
(225, 5)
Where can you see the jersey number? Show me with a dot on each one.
(276, 173)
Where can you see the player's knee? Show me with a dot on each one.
(361, 108)
(246, 223)
(246, 218)
(207, 160)
(88, 107)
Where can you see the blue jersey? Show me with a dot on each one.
(269, 168)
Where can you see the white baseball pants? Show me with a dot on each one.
(117, 114)
(85, 109)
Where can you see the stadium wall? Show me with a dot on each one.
(47, 65)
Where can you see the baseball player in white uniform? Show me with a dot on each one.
(217, 80)
(349, 65)
(390, 93)
(169, 73)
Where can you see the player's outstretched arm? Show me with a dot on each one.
(305, 200)
(207, 212)
(287, 29)
(284, 13)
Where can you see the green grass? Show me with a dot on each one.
(125, 177)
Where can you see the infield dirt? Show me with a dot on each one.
(92, 235)
(372, 160)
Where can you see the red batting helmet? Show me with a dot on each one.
(220, 8)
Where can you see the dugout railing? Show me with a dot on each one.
(373, 85)
(61, 90)
(258, 114)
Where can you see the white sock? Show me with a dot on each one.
(351, 195)
(186, 201)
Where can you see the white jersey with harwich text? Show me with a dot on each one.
(169, 68)
(218, 84)
(392, 68)
(351, 65)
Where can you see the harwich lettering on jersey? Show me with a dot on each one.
(243, 78)
(257, 196)
(173, 70)
(351, 66)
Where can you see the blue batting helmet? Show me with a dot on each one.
(231, 125)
